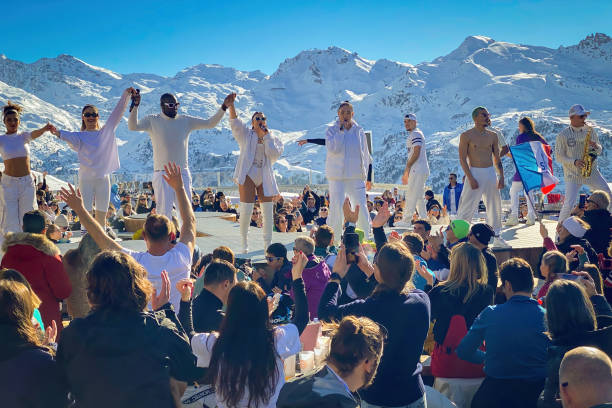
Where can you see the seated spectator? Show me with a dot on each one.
(294, 224)
(571, 233)
(208, 203)
(553, 264)
(322, 218)
(219, 278)
(429, 201)
(163, 252)
(315, 275)
(311, 207)
(280, 223)
(396, 219)
(455, 304)
(415, 245)
(279, 269)
(576, 316)
(402, 310)
(324, 238)
(38, 259)
(55, 235)
(256, 218)
(437, 215)
(480, 235)
(586, 378)
(597, 216)
(225, 208)
(244, 358)
(388, 197)
(423, 228)
(29, 377)
(126, 210)
(141, 207)
(195, 204)
(219, 197)
(371, 211)
(132, 350)
(355, 353)
(516, 343)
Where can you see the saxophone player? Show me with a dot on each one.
(577, 149)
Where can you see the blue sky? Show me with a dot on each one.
(165, 37)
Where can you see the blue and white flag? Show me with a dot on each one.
(533, 163)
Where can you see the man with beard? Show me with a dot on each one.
(169, 134)
(478, 152)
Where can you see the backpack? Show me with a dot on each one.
(444, 360)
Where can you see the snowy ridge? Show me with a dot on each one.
(301, 96)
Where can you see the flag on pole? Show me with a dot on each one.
(533, 162)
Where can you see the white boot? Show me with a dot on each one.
(246, 210)
(267, 210)
(511, 221)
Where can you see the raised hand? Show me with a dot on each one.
(302, 142)
(299, 263)
(229, 99)
(185, 288)
(50, 333)
(135, 96)
(587, 282)
(72, 197)
(340, 266)
(350, 215)
(382, 217)
(158, 300)
(543, 230)
(173, 176)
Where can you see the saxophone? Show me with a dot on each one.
(588, 156)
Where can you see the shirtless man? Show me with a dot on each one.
(480, 146)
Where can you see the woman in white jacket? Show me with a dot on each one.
(98, 155)
(348, 166)
(259, 150)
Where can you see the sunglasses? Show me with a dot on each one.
(272, 258)
(171, 105)
(397, 218)
(256, 213)
(91, 115)
(323, 210)
(583, 116)
(435, 209)
(262, 119)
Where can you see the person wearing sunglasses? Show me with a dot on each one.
(169, 132)
(18, 184)
(437, 215)
(259, 150)
(569, 150)
(348, 165)
(417, 169)
(96, 148)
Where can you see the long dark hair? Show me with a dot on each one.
(244, 356)
(529, 126)
(568, 309)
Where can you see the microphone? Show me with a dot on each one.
(132, 105)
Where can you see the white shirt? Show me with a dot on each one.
(97, 150)
(170, 136)
(416, 138)
(286, 341)
(15, 145)
(348, 155)
(177, 262)
(453, 209)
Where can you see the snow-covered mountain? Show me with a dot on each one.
(301, 97)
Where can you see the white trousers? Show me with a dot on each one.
(356, 191)
(415, 191)
(165, 197)
(515, 191)
(488, 191)
(19, 198)
(95, 189)
(595, 182)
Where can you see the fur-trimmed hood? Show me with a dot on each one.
(37, 241)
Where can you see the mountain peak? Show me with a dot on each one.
(598, 45)
(470, 45)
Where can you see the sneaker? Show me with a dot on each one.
(511, 221)
(499, 242)
(530, 220)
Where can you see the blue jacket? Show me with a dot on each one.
(515, 335)
(446, 197)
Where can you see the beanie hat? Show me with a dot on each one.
(601, 198)
(61, 221)
(483, 233)
(460, 228)
(574, 227)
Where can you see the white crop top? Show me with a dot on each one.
(15, 145)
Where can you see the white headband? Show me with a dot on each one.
(574, 227)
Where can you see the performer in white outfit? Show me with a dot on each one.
(478, 151)
(416, 171)
(348, 165)
(259, 150)
(169, 134)
(569, 150)
(18, 184)
(98, 155)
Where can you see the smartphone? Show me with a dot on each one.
(351, 246)
(569, 276)
(582, 201)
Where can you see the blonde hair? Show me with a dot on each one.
(467, 268)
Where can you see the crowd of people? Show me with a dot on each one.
(430, 308)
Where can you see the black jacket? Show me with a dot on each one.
(491, 268)
(598, 236)
(207, 312)
(566, 246)
(117, 358)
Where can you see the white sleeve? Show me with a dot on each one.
(27, 137)
(416, 139)
(239, 131)
(115, 117)
(273, 147)
(334, 139)
(132, 253)
(143, 125)
(287, 340)
(183, 252)
(201, 346)
(199, 123)
(72, 138)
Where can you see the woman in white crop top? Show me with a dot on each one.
(259, 150)
(18, 185)
(98, 155)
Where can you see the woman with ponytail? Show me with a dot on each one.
(527, 133)
(18, 184)
(98, 156)
(259, 150)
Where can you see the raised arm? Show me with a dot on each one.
(320, 142)
(74, 201)
(198, 123)
(115, 117)
(300, 318)
(35, 134)
(143, 125)
(174, 179)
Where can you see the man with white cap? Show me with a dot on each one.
(569, 150)
(416, 171)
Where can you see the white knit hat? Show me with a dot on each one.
(574, 227)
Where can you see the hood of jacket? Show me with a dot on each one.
(30, 243)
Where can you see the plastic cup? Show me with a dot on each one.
(307, 361)
(319, 355)
(289, 364)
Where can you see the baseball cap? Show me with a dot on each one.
(410, 116)
(578, 110)
(483, 232)
(460, 228)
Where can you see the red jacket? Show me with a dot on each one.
(38, 259)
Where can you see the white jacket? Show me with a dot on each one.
(339, 165)
(247, 141)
